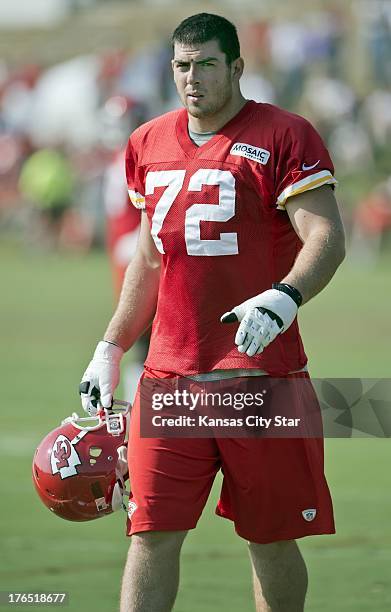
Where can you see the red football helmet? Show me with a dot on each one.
(79, 468)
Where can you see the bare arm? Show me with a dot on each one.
(137, 303)
(316, 220)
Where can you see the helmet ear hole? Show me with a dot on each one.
(95, 452)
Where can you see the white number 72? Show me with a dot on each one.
(227, 244)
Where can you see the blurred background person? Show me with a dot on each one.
(119, 116)
(47, 183)
(372, 226)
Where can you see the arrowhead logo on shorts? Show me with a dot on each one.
(64, 458)
(132, 507)
(309, 514)
(254, 153)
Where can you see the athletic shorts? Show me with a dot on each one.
(273, 488)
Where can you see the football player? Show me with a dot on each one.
(239, 225)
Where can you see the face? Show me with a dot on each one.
(204, 80)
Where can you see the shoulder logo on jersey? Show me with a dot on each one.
(64, 458)
(309, 514)
(137, 199)
(304, 167)
(250, 152)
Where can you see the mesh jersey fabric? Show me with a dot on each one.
(217, 217)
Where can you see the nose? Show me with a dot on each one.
(193, 75)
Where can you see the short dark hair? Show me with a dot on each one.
(203, 27)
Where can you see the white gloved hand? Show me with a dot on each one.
(101, 377)
(262, 318)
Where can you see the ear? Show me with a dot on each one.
(237, 68)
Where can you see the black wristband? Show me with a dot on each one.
(289, 290)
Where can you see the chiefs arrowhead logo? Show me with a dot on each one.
(64, 458)
(61, 452)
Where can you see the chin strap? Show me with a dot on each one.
(115, 418)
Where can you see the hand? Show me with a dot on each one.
(262, 318)
(101, 377)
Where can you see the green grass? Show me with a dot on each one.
(53, 310)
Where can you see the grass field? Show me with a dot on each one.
(52, 312)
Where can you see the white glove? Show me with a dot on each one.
(263, 318)
(101, 377)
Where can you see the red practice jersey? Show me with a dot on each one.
(217, 217)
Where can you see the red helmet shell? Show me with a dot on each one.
(76, 471)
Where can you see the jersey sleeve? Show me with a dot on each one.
(304, 163)
(135, 186)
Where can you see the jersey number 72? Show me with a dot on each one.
(227, 244)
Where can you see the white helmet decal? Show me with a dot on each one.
(64, 458)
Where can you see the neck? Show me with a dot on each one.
(215, 122)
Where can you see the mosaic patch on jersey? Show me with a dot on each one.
(250, 152)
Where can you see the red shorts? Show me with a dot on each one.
(273, 489)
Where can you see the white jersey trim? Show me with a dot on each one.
(306, 184)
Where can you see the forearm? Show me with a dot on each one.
(317, 262)
(137, 303)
